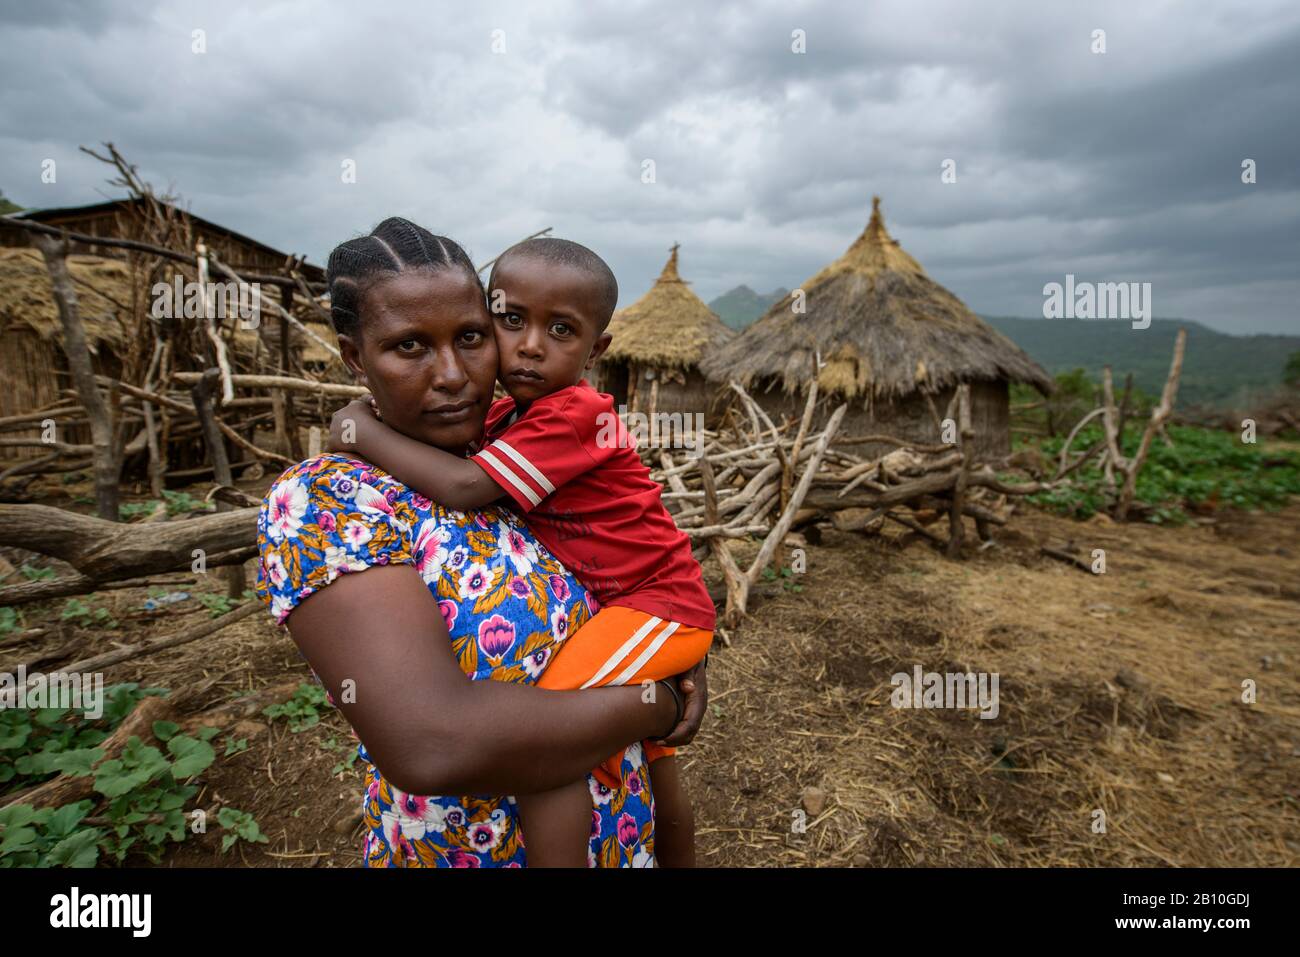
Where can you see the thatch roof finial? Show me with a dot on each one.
(670, 268)
(876, 225)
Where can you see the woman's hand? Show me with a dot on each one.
(347, 421)
(694, 687)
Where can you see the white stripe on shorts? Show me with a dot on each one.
(626, 649)
(646, 655)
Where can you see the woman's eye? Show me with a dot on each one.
(472, 338)
(408, 346)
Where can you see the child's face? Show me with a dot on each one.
(547, 321)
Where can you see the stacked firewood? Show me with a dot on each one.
(753, 478)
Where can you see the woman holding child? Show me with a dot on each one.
(403, 605)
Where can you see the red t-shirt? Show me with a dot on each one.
(572, 467)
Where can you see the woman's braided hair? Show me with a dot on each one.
(393, 246)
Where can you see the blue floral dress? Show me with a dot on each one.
(507, 603)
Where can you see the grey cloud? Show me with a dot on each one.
(766, 161)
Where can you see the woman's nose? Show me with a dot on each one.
(448, 371)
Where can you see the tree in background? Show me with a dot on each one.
(6, 207)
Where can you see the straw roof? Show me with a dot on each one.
(883, 328)
(669, 326)
(104, 288)
(103, 297)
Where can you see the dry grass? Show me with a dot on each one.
(669, 326)
(1119, 692)
(883, 329)
(104, 295)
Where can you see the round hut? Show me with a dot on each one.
(890, 340)
(653, 364)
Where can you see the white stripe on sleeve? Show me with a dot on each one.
(526, 465)
(510, 476)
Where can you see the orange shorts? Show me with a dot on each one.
(623, 646)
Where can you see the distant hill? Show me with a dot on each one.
(1218, 369)
(742, 305)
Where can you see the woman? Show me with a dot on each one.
(394, 600)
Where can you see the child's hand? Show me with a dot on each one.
(347, 423)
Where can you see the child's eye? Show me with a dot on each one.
(512, 320)
(562, 329)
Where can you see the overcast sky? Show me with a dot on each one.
(1122, 166)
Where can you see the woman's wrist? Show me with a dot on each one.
(672, 694)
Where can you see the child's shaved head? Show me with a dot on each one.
(562, 252)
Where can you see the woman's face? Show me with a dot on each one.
(425, 350)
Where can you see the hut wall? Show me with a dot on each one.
(30, 368)
(910, 418)
(684, 391)
(35, 370)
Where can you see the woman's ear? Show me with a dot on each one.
(598, 349)
(351, 353)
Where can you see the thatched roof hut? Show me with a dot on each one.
(659, 342)
(887, 336)
(32, 365)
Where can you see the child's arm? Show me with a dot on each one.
(447, 479)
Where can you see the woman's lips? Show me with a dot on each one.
(452, 412)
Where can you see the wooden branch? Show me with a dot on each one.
(287, 383)
(891, 440)
(286, 316)
(540, 232)
(736, 582)
(778, 532)
(1060, 469)
(193, 633)
(1158, 416)
(105, 550)
(956, 528)
(108, 465)
(1110, 425)
(1064, 556)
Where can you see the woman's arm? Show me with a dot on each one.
(445, 478)
(378, 642)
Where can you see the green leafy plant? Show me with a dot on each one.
(787, 578)
(143, 788)
(303, 710)
(179, 503)
(34, 574)
(346, 749)
(86, 615)
(220, 604)
(10, 620)
(1203, 470)
(239, 826)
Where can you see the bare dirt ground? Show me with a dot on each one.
(1119, 693)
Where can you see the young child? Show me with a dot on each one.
(557, 451)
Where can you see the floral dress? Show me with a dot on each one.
(507, 603)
